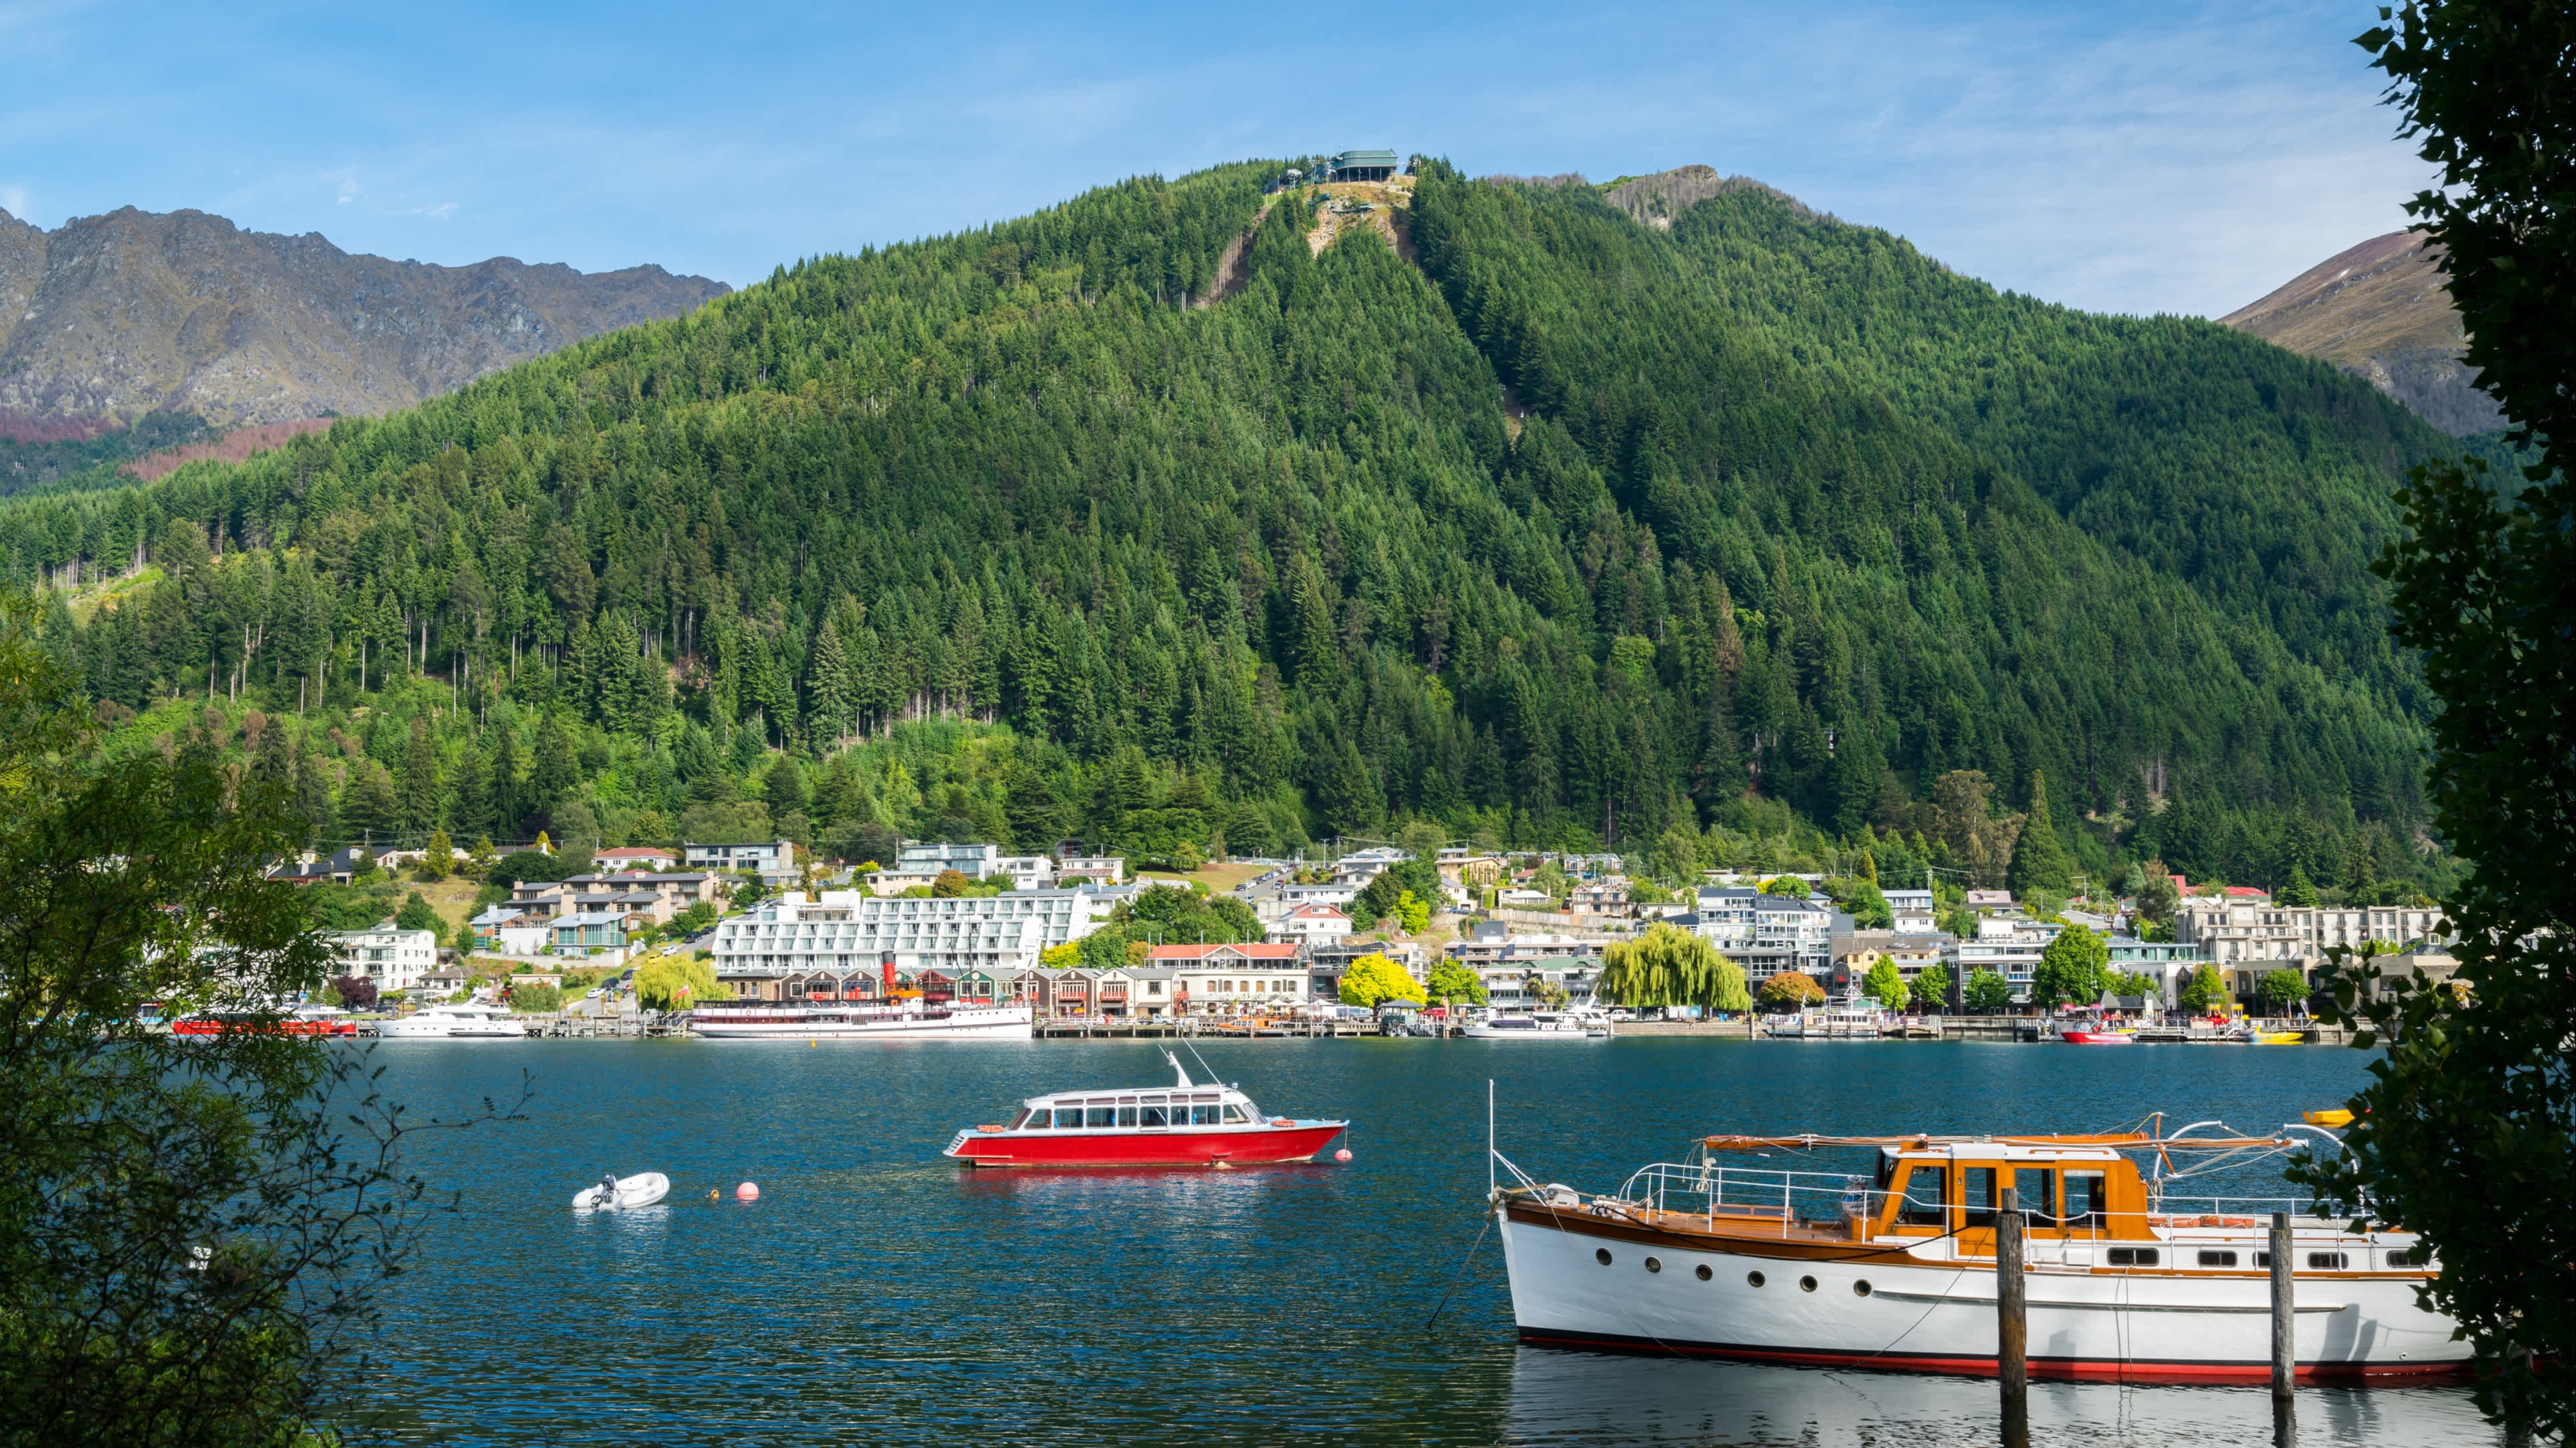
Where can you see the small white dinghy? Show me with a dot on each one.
(640, 1190)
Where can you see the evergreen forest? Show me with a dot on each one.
(1737, 535)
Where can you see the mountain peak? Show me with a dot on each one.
(132, 311)
(1655, 200)
(2381, 311)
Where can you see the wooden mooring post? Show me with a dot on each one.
(2012, 1322)
(2285, 1327)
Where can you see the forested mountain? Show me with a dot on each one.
(1564, 528)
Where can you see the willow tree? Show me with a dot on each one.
(1670, 966)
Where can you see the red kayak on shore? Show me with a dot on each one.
(1185, 1124)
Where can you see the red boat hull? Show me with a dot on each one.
(289, 1027)
(2098, 1038)
(1232, 1146)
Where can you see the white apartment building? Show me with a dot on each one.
(395, 959)
(2249, 938)
(1294, 896)
(772, 860)
(1766, 934)
(972, 861)
(1514, 985)
(845, 932)
(1027, 872)
(2008, 946)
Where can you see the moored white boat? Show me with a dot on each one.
(623, 1193)
(455, 1021)
(910, 1021)
(1853, 1019)
(1539, 1026)
(1895, 1269)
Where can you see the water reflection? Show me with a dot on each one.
(1580, 1397)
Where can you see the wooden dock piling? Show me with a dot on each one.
(2012, 1322)
(2284, 1311)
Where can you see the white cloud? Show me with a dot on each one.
(438, 211)
(348, 189)
(13, 199)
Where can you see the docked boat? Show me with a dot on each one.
(310, 1020)
(908, 1020)
(455, 1021)
(2097, 1037)
(1538, 1026)
(1852, 1019)
(1189, 1123)
(1894, 1268)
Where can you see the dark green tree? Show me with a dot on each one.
(2040, 860)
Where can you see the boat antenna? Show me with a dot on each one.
(1192, 1047)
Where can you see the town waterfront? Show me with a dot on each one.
(877, 1292)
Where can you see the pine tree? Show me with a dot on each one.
(510, 803)
(417, 807)
(555, 772)
(1033, 807)
(831, 691)
(2299, 892)
(471, 809)
(2039, 860)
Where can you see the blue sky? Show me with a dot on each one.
(2133, 157)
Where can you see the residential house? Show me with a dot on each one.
(972, 861)
(504, 931)
(584, 932)
(394, 958)
(1026, 872)
(1310, 923)
(1335, 894)
(774, 861)
(1605, 896)
(1988, 902)
(2007, 945)
(633, 857)
(1098, 869)
(1359, 867)
(1913, 909)
(1912, 951)
(1491, 942)
(1327, 961)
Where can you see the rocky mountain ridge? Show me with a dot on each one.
(2381, 311)
(112, 316)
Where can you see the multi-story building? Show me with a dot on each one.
(771, 860)
(392, 957)
(1327, 961)
(1229, 979)
(2253, 937)
(2007, 945)
(847, 932)
(1912, 951)
(1516, 985)
(1766, 934)
(972, 861)
(1027, 872)
(1490, 942)
(1913, 910)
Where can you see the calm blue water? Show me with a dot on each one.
(876, 1293)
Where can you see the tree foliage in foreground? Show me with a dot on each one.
(1670, 966)
(193, 1230)
(2463, 1132)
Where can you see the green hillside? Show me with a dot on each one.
(1014, 532)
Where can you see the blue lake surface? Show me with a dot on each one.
(877, 1293)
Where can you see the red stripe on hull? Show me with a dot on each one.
(2062, 1369)
(1257, 1147)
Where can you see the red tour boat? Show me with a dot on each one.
(1185, 1124)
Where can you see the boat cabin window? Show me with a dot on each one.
(1977, 1196)
(1203, 1116)
(1126, 1115)
(1067, 1117)
(1029, 1116)
(1235, 1114)
(1097, 1116)
(2135, 1256)
(1155, 1114)
(1925, 1188)
(2217, 1259)
(2088, 1200)
(2325, 1261)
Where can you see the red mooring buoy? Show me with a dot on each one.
(747, 1192)
(1342, 1155)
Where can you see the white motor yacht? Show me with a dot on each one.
(456, 1021)
(1540, 1026)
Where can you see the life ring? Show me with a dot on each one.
(1281, 1121)
(992, 1130)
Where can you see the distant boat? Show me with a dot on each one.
(326, 1021)
(640, 1190)
(910, 1021)
(1539, 1026)
(1188, 1123)
(455, 1021)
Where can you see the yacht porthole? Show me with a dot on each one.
(1704, 1273)
(1654, 1264)
(1861, 1288)
(1806, 1284)
(1753, 1278)
(1601, 1255)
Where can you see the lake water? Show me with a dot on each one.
(877, 1293)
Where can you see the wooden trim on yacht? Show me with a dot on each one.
(2059, 1368)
